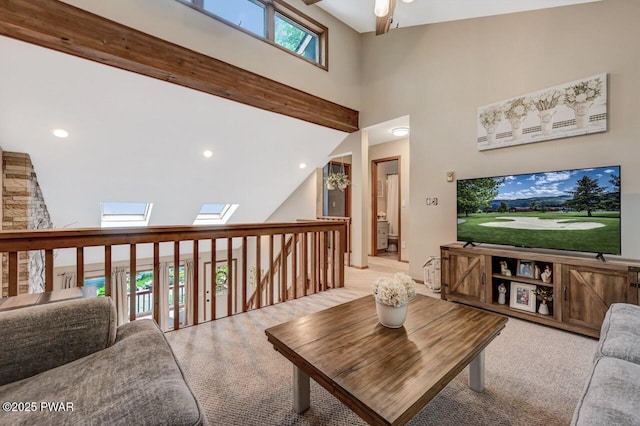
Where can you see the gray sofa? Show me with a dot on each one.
(612, 393)
(67, 363)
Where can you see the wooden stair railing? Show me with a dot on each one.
(306, 254)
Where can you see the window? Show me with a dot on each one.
(114, 214)
(273, 21)
(215, 214)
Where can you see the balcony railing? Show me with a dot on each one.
(315, 262)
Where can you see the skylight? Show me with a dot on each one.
(115, 214)
(215, 214)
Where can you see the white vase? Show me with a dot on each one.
(391, 316)
(516, 128)
(543, 309)
(546, 120)
(342, 186)
(581, 110)
(491, 133)
(330, 186)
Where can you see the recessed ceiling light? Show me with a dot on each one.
(208, 154)
(400, 131)
(303, 165)
(60, 133)
(407, 1)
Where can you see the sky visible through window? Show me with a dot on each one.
(114, 208)
(243, 13)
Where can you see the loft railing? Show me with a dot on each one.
(311, 259)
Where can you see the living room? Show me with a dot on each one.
(438, 75)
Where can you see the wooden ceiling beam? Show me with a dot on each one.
(383, 24)
(65, 28)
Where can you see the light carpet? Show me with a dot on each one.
(534, 374)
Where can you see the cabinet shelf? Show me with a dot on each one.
(522, 280)
(583, 287)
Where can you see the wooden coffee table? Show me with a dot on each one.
(384, 375)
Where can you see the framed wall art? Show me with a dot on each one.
(575, 108)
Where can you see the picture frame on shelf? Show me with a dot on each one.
(525, 268)
(523, 296)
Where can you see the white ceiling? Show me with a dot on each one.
(358, 14)
(134, 138)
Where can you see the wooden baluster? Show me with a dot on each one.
(334, 244)
(230, 281)
(156, 283)
(314, 264)
(271, 285)
(107, 271)
(79, 267)
(294, 264)
(48, 270)
(258, 271)
(305, 262)
(214, 261)
(13, 273)
(132, 282)
(176, 285)
(283, 267)
(196, 283)
(343, 246)
(244, 274)
(325, 260)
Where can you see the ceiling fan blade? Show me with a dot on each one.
(383, 24)
(310, 2)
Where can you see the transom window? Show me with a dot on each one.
(273, 21)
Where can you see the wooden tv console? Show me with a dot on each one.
(583, 288)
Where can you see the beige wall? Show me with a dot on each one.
(180, 24)
(440, 74)
(391, 149)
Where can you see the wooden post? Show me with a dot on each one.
(176, 285)
(214, 259)
(48, 270)
(79, 267)
(230, 271)
(156, 283)
(107, 271)
(132, 282)
(196, 281)
(13, 273)
(244, 274)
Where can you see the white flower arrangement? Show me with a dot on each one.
(394, 291)
(517, 108)
(491, 116)
(585, 91)
(337, 180)
(547, 100)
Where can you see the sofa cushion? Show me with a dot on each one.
(620, 333)
(137, 381)
(42, 337)
(612, 395)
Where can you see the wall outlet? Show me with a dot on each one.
(404, 244)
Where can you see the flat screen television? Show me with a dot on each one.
(577, 210)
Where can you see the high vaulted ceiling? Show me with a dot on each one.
(134, 138)
(358, 14)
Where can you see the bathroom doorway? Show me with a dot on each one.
(386, 236)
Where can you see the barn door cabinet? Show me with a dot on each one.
(581, 288)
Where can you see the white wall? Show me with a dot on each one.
(181, 24)
(301, 204)
(441, 73)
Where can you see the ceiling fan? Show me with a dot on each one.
(383, 10)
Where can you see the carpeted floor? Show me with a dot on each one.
(534, 374)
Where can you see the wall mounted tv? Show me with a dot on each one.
(576, 210)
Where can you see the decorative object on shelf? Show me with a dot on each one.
(337, 180)
(523, 296)
(525, 268)
(544, 295)
(536, 272)
(502, 290)
(574, 108)
(546, 275)
(392, 296)
(504, 268)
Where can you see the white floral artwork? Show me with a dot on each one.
(570, 109)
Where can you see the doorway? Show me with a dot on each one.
(386, 235)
